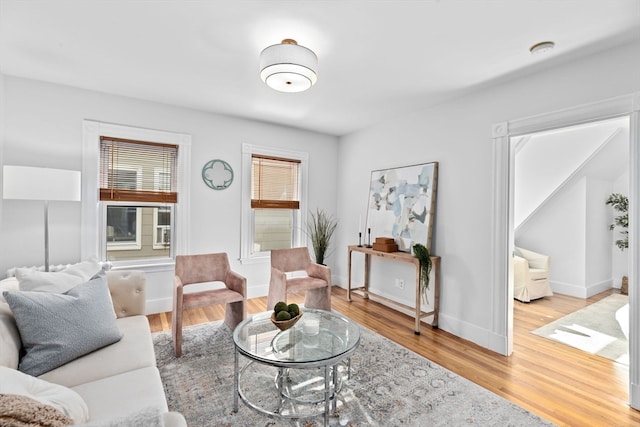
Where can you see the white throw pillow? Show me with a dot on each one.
(59, 281)
(60, 397)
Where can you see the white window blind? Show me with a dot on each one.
(138, 171)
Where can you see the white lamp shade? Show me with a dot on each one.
(32, 183)
(288, 67)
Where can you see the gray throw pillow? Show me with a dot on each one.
(58, 328)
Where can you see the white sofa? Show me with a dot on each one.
(119, 384)
(531, 272)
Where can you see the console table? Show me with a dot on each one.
(416, 312)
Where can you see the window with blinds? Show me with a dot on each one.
(275, 202)
(137, 171)
(138, 186)
(274, 183)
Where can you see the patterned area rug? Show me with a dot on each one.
(595, 329)
(389, 386)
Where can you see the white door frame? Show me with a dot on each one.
(502, 226)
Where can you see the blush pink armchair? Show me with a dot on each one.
(313, 278)
(201, 269)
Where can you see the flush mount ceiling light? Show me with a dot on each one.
(541, 47)
(288, 67)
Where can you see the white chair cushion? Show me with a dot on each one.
(133, 351)
(122, 396)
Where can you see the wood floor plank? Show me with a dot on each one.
(561, 384)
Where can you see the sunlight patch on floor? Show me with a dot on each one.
(583, 338)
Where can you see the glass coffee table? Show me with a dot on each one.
(296, 373)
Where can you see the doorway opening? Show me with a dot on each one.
(502, 216)
(565, 255)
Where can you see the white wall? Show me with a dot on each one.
(2, 125)
(572, 229)
(598, 237)
(44, 128)
(458, 136)
(558, 230)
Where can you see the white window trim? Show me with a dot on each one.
(157, 244)
(246, 231)
(92, 237)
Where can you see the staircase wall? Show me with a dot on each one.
(572, 223)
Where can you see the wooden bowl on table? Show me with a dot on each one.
(283, 325)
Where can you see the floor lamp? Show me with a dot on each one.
(31, 183)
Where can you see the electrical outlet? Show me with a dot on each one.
(400, 283)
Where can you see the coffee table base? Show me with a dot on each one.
(296, 393)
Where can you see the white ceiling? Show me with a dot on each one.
(377, 59)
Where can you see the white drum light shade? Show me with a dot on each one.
(288, 67)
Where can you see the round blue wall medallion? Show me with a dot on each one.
(217, 174)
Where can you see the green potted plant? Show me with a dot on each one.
(421, 252)
(620, 204)
(320, 229)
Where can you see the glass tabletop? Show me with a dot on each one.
(319, 337)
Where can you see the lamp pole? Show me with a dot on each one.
(46, 235)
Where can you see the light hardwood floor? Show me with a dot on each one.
(559, 383)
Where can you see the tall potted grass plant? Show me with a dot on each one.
(320, 228)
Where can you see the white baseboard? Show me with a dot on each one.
(258, 291)
(467, 331)
(159, 305)
(497, 343)
(634, 392)
(568, 289)
(580, 291)
(596, 288)
(473, 333)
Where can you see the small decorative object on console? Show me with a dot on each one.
(385, 244)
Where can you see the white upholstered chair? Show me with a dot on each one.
(531, 272)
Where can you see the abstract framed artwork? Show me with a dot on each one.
(402, 204)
